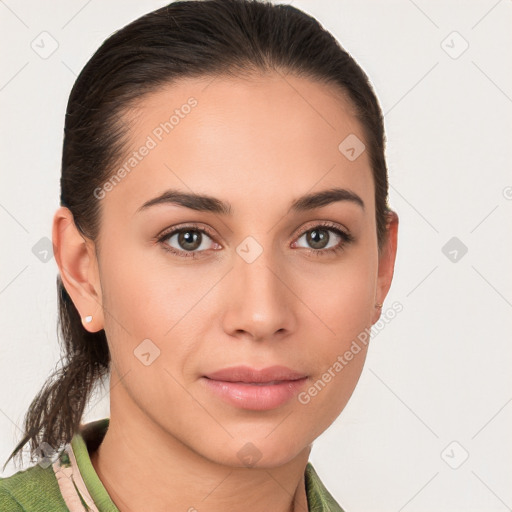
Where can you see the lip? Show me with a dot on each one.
(251, 375)
(249, 388)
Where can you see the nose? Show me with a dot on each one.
(261, 304)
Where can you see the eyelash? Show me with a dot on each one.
(346, 239)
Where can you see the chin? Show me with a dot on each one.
(258, 453)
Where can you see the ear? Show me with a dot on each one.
(76, 259)
(386, 262)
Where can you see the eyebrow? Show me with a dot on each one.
(205, 203)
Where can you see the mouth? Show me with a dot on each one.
(257, 390)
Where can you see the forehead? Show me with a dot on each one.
(254, 141)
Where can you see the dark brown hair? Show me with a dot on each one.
(184, 39)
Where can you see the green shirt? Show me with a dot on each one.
(68, 482)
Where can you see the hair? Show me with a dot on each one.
(185, 39)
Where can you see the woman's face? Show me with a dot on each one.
(264, 287)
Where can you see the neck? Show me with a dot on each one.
(144, 467)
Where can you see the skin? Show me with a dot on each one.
(259, 144)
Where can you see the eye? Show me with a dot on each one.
(191, 240)
(320, 242)
(187, 240)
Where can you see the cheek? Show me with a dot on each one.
(148, 307)
(331, 390)
(343, 299)
(342, 303)
(142, 298)
(338, 356)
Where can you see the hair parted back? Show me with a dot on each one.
(185, 39)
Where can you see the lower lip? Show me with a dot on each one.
(253, 396)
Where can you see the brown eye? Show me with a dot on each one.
(318, 238)
(324, 239)
(187, 241)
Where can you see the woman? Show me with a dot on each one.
(223, 241)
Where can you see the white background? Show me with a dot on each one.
(440, 371)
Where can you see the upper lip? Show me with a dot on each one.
(248, 374)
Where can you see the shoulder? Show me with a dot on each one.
(319, 498)
(8, 502)
(31, 490)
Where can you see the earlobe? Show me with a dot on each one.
(76, 259)
(387, 262)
